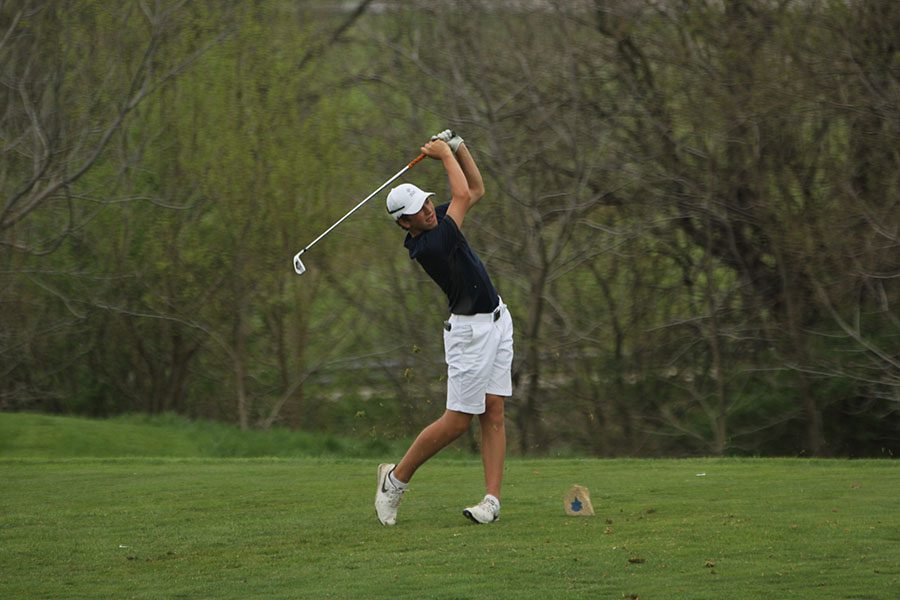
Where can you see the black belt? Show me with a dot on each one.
(493, 316)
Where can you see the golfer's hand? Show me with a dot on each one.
(449, 136)
(437, 149)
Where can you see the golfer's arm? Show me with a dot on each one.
(460, 195)
(473, 176)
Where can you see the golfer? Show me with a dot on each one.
(478, 336)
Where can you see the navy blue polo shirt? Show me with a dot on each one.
(446, 256)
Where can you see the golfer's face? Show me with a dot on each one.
(425, 219)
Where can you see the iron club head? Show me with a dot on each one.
(299, 267)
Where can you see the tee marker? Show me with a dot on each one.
(577, 502)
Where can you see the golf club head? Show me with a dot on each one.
(299, 267)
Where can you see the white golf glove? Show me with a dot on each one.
(449, 136)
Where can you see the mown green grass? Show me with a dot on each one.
(305, 528)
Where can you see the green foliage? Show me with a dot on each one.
(689, 214)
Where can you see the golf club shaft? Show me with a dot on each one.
(409, 166)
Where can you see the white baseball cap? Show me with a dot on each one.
(406, 199)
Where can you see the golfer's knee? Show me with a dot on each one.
(460, 429)
(455, 424)
(491, 421)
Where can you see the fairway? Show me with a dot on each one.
(305, 528)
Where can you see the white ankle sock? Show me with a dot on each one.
(396, 482)
(494, 498)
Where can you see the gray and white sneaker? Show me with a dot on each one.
(387, 496)
(486, 511)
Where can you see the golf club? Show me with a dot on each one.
(299, 267)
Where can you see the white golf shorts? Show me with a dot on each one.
(479, 353)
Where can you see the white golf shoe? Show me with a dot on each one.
(387, 496)
(486, 511)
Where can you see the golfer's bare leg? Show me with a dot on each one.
(493, 443)
(433, 439)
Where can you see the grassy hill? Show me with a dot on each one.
(25, 435)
